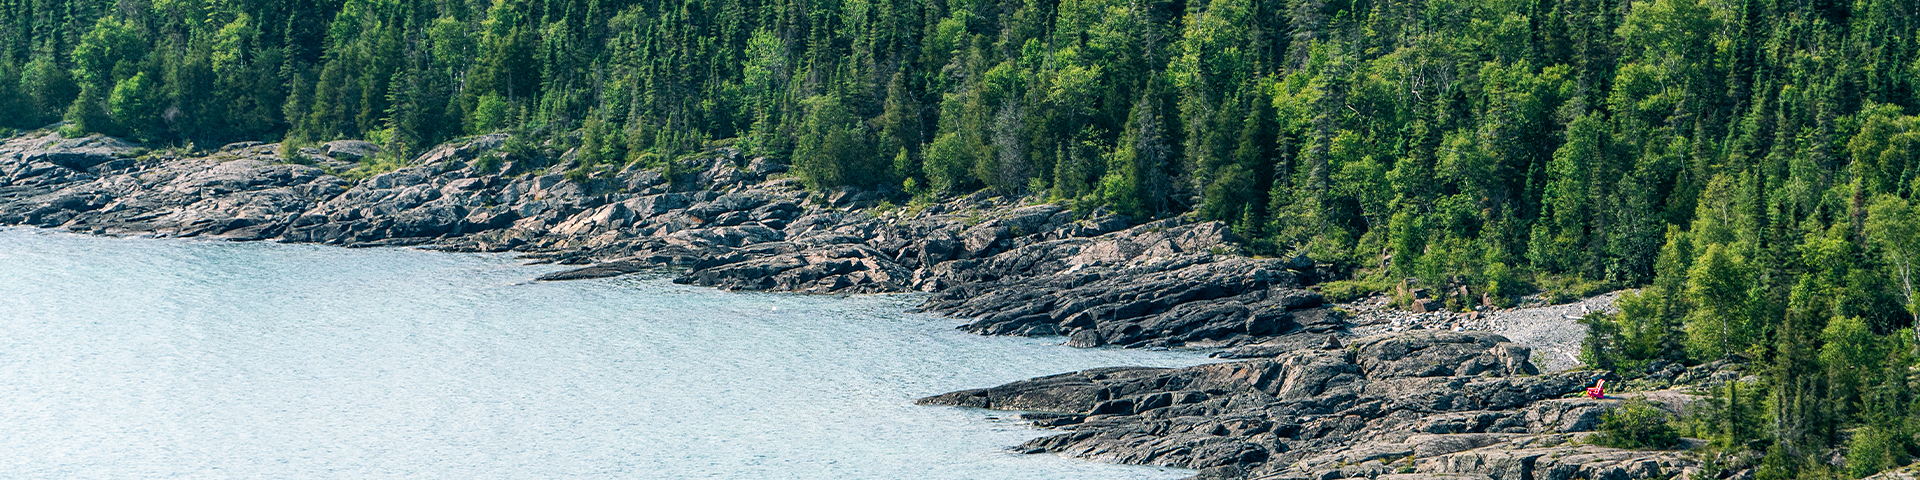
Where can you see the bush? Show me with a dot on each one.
(487, 164)
(1602, 343)
(1874, 450)
(1559, 289)
(1636, 424)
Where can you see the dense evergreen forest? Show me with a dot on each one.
(1750, 164)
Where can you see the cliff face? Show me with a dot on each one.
(1304, 406)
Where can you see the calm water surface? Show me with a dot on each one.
(143, 358)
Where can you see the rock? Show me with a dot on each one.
(1134, 288)
(350, 150)
(1300, 262)
(78, 154)
(729, 203)
(1427, 306)
(1564, 461)
(1430, 354)
(239, 146)
(833, 269)
(1909, 472)
(601, 270)
(764, 166)
(461, 151)
(1367, 411)
(1070, 393)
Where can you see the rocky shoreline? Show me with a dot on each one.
(1305, 399)
(724, 220)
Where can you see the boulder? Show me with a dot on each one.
(350, 150)
(78, 154)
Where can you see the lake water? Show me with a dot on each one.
(145, 358)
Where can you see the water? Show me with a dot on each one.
(144, 358)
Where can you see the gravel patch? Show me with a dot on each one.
(1553, 331)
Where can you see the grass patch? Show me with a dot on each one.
(370, 168)
(1350, 290)
(883, 209)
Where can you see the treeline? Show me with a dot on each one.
(1751, 162)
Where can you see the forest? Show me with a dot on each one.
(1749, 166)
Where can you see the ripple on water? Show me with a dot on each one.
(142, 358)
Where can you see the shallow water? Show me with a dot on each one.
(144, 358)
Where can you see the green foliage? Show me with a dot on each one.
(1876, 449)
(369, 168)
(1853, 355)
(1636, 424)
(1720, 325)
(489, 114)
(1567, 288)
(135, 106)
(487, 164)
(834, 149)
(1645, 333)
(1349, 290)
(1731, 418)
(108, 53)
(601, 144)
(46, 89)
(1894, 227)
(1603, 347)
(1469, 144)
(11, 98)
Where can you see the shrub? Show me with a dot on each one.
(1560, 289)
(1636, 424)
(369, 168)
(487, 164)
(1874, 449)
(1349, 290)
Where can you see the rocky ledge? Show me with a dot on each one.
(1414, 405)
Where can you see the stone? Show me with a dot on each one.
(1427, 306)
(78, 154)
(350, 150)
(766, 166)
